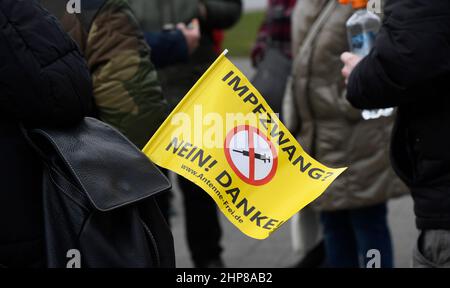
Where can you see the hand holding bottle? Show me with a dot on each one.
(350, 61)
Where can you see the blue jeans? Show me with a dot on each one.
(350, 234)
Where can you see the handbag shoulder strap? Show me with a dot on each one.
(315, 28)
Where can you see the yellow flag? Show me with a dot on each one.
(225, 138)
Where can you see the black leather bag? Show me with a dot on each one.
(271, 77)
(98, 198)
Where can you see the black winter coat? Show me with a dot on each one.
(43, 80)
(409, 68)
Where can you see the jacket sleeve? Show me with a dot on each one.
(168, 47)
(126, 89)
(43, 78)
(408, 55)
(222, 14)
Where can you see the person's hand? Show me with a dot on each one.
(350, 61)
(257, 54)
(191, 33)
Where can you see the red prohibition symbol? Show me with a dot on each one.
(251, 155)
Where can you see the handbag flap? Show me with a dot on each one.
(105, 165)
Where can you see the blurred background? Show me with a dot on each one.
(240, 38)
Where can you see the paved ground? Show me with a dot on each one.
(241, 251)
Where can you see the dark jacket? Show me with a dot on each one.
(43, 80)
(409, 68)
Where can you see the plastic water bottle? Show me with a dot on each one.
(362, 28)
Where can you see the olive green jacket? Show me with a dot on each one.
(330, 128)
(126, 89)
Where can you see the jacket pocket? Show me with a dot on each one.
(432, 249)
(419, 259)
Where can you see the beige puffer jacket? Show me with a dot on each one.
(330, 129)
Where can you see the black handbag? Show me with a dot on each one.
(271, 78)
(98, 199)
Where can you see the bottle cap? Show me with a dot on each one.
(356, 4)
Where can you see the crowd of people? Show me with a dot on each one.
(129, 63)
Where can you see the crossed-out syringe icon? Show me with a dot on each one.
(258, 156)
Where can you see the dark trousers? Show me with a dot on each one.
(350, 234)
(202, 224)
